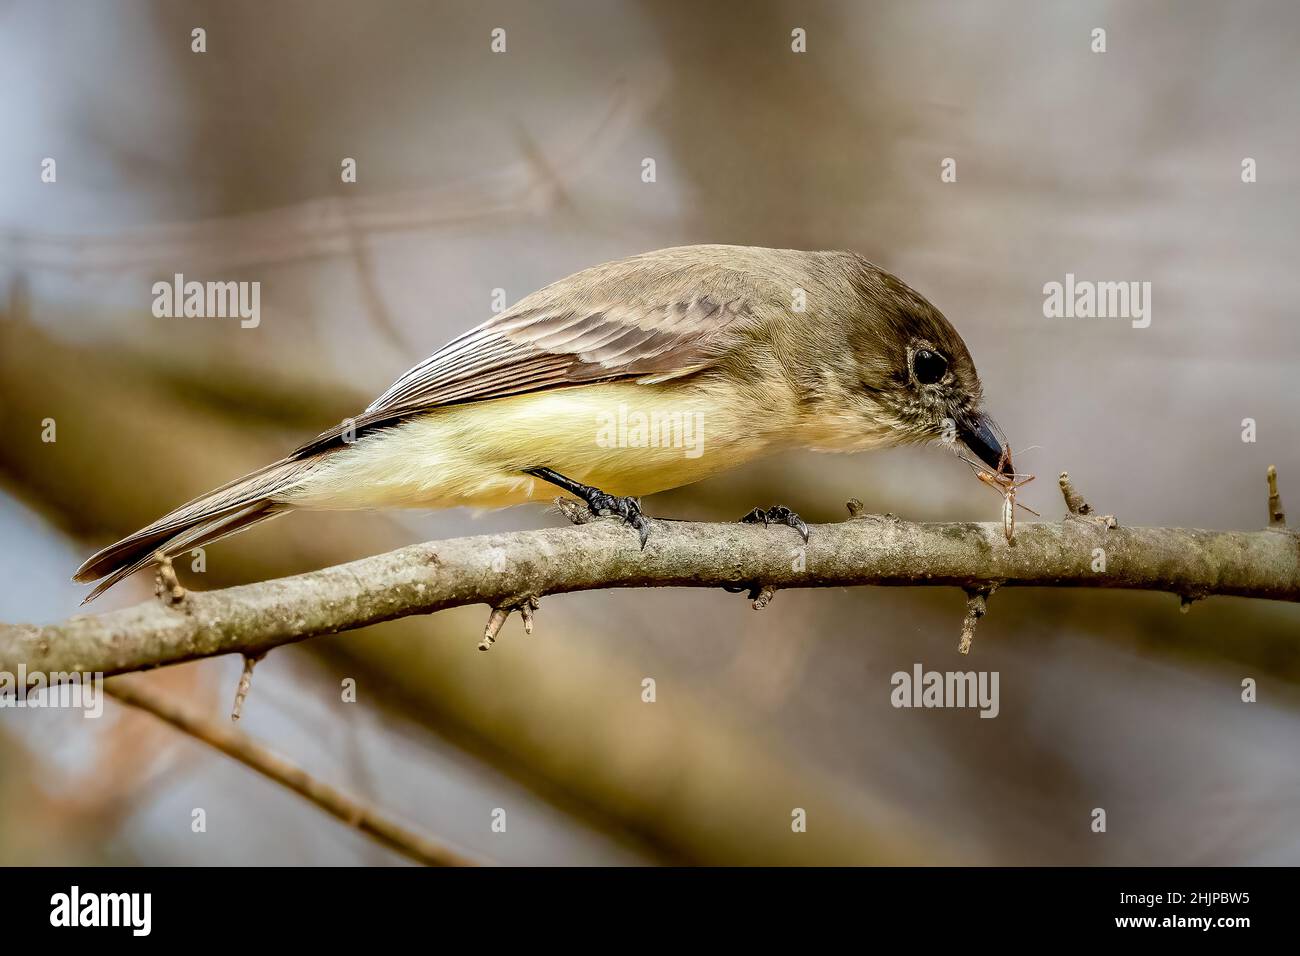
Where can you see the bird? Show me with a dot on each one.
(757, 350)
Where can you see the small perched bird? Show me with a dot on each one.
(587, 384)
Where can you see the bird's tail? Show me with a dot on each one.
(233, 507)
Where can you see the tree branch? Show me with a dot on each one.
(509, 571)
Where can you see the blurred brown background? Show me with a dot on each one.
(479, 171)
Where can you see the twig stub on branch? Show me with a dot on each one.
(525, 607)
(1276, 516)
(166, 585)
(976, 608)
(1077, 506)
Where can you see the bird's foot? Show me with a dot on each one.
(600, 503)
(760, 594)
(778, 514)
(628, 509)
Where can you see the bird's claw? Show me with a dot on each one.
(627, 509)
(778, 514)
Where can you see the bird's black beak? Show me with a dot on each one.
(980, 434)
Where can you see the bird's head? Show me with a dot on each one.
(902, 374)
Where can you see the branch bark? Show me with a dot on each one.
(511, 570)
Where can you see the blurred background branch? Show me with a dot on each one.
(373, 823)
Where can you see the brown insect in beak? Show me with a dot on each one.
(1000, 476)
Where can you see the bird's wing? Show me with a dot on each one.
(555, 343)
(546, 347)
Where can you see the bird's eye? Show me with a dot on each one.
(928, 367)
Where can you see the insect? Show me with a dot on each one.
(1006, 482)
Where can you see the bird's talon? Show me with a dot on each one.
(778, 514)
(601, 504)
(628, 510)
